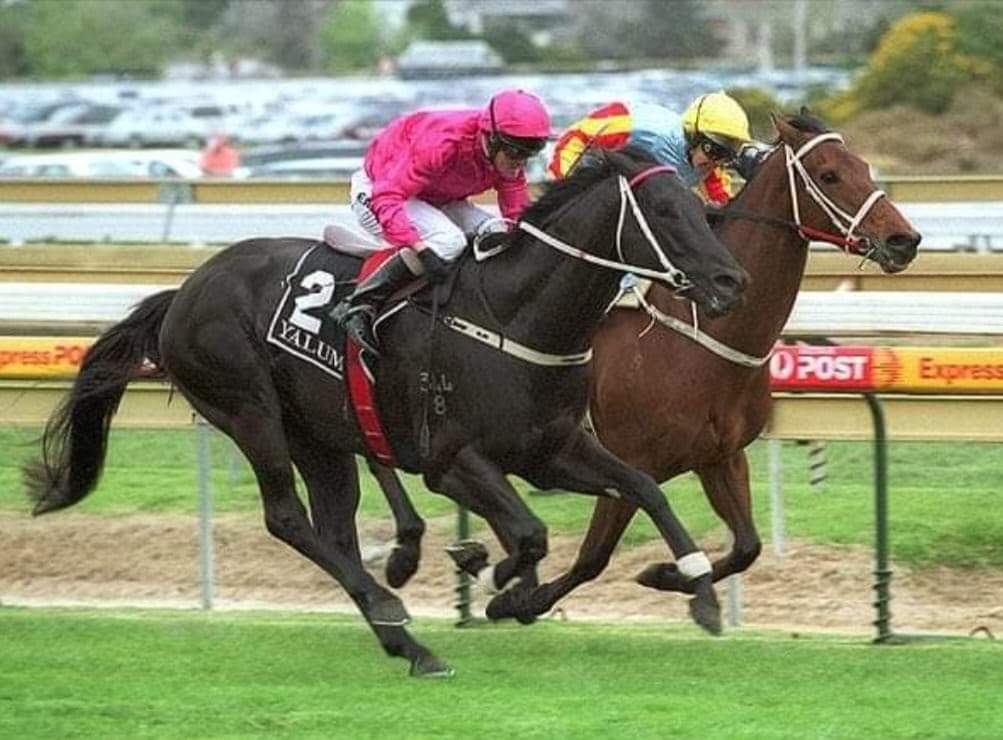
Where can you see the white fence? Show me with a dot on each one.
(945, 226)
(816, 313)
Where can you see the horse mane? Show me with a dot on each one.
(806, 121)
(590, 170)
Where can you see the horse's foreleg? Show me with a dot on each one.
(332, 483)
(610, 518)
(403, 561)
(479, 485)
(584, 465)
(726, 485)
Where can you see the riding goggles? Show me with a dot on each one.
(519, 148)
(717, 152)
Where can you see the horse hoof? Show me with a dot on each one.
(470, 556)
(388, 612)
(428, 666)
(664, 577)
(401, 565)
(502, 606)
(705, 609)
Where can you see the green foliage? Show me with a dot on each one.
(980, 29)
(428, 20)
(512, 44)
(918, 63)
(758, 105)
(83, 37)
(13, 55)
(349, 36)
(105, 673)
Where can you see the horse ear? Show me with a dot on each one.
(787, 133)
(620, 162)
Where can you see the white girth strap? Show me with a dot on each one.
(700, 337)
(511, 347)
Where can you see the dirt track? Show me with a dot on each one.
(66, 558)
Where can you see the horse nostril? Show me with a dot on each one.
(730, 283)
(909, 240)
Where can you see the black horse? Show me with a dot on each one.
(462, 404)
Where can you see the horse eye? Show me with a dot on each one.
(829, 177)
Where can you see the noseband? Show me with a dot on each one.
(671, 275)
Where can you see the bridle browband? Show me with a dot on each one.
(671, 274)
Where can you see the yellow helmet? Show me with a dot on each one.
(718, 117)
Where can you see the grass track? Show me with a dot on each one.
(79, 673)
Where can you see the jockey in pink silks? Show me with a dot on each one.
(414, 187)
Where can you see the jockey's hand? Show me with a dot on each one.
(436, 268)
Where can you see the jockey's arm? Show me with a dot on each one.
(389, 195)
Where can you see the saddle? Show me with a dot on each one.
(352, 240)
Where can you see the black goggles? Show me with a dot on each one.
(519, 148)
(715, 151)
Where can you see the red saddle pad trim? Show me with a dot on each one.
(360, 389)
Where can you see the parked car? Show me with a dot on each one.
(161, 126)
(21, 120)
(73, 125)
(121, 164)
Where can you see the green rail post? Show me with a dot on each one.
(882, 573)
(462, 578)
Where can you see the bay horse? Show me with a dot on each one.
(493, 381)
(668, 397)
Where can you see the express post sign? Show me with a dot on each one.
(888, 369)
(40, 358)
(792, 367)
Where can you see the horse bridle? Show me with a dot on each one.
(846, 223)
(672, 274)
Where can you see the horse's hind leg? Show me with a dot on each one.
(243, 403)
(403, 562)
(610, 518)
(332, 483)
(726, 484)
(477, 484)
(584, 465)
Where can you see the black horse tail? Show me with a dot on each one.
(75, 438)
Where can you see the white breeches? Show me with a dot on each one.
(445, 230)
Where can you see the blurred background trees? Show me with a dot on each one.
(917, 54)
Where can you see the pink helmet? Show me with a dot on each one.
(518, 114)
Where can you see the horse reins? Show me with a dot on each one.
(672, 274)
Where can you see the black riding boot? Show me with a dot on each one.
(357, 312)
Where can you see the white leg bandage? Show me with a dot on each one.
(694, 565)
(486, 580)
